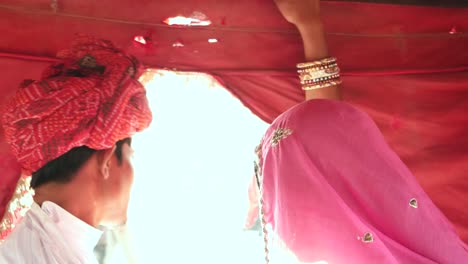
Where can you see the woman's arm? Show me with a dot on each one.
(305, 14)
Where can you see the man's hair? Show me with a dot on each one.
(63, 168)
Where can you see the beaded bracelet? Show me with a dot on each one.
(319, 74)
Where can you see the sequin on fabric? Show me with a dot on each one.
(413, 203)
(368, 238)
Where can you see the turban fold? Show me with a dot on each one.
(92, 98)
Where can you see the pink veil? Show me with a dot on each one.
(334, 191)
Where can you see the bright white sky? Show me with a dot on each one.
(192, 170)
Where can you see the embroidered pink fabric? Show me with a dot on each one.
(334, 191)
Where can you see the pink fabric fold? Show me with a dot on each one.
(334, 191)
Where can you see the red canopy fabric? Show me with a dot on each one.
(407, 66)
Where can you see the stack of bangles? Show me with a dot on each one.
(319, 74)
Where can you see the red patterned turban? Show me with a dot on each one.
(93, 98)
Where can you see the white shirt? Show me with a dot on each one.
(50, 235)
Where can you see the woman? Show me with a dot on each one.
(332, 189)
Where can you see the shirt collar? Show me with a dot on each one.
(78, 234)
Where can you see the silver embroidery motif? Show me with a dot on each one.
(280, 134)
(413, 203)
(257, 166)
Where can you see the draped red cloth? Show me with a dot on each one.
(404, 65)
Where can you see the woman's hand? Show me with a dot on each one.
(300, 12)
(305, 14)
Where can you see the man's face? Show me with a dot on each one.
(118, 185)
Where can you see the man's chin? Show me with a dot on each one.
(115, 222)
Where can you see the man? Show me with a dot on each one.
(72, 132)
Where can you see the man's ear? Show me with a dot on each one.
(104, 161)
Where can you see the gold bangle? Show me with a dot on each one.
(322, 85)
(319, 74)
(318, 68)
(321, 80)
(321, 62)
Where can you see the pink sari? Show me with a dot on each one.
(333, 191)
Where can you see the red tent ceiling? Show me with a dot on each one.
(405, 65)
(381, 37)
